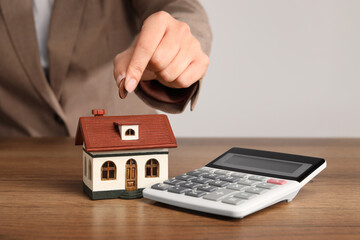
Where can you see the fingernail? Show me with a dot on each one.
(119, 78)
(131, 85)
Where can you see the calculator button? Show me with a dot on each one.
(219, 194)
(245, 195)
(257, 178)
(229, 178)
(189, 185)
(221, 172)
(201, 180)
(233, 200)
(177, 189)
(207, 188)
(160, 186)
(218, 183)
(247, 182)
(237, 187)
(185, 177)
(212, 175)
(173, 181)
(266, 185)
(196, 173)
(255, 190)
(195, 193)
(276, 181)
(239, 175)
(205, 169)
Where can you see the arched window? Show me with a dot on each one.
(152, 168)
(108, 171)
(130, 132)
(90, 170)
(85, 167)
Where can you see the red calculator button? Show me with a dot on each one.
(276, 181)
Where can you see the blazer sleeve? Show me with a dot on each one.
(190, 11)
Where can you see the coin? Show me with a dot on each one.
(122, 91)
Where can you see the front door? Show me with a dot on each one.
(131, 175)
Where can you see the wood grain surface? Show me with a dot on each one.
(41, 196)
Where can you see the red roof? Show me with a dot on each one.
(100, 133)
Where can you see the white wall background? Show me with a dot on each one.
(279, 69)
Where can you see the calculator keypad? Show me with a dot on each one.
(195, 193)
(219, 194)
(221, 172)
(233, 200)
(257, 178)
(266, 185)
(237, 187)
(207, 188)
(173, 181)
(212, 176)
(202, 180)
(255, 190)
(247, 182)
(189, 185)
(239, 175)
(219, 185)
(160, 186)
(245, 195)
(276, 181)
(185, 177)
(229, 178)
(196, 173)
(178, 189)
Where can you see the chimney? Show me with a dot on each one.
(98, 112)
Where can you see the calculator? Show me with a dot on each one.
(239, 182)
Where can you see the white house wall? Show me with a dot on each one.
(120, 161)
(86, 178)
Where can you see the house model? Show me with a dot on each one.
(122, 155)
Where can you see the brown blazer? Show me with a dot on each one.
(84, 37)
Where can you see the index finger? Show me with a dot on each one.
(152, 32)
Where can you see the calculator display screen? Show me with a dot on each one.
(262, 165)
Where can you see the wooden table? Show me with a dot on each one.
(41, 196)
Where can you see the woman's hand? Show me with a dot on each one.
(164, 50)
